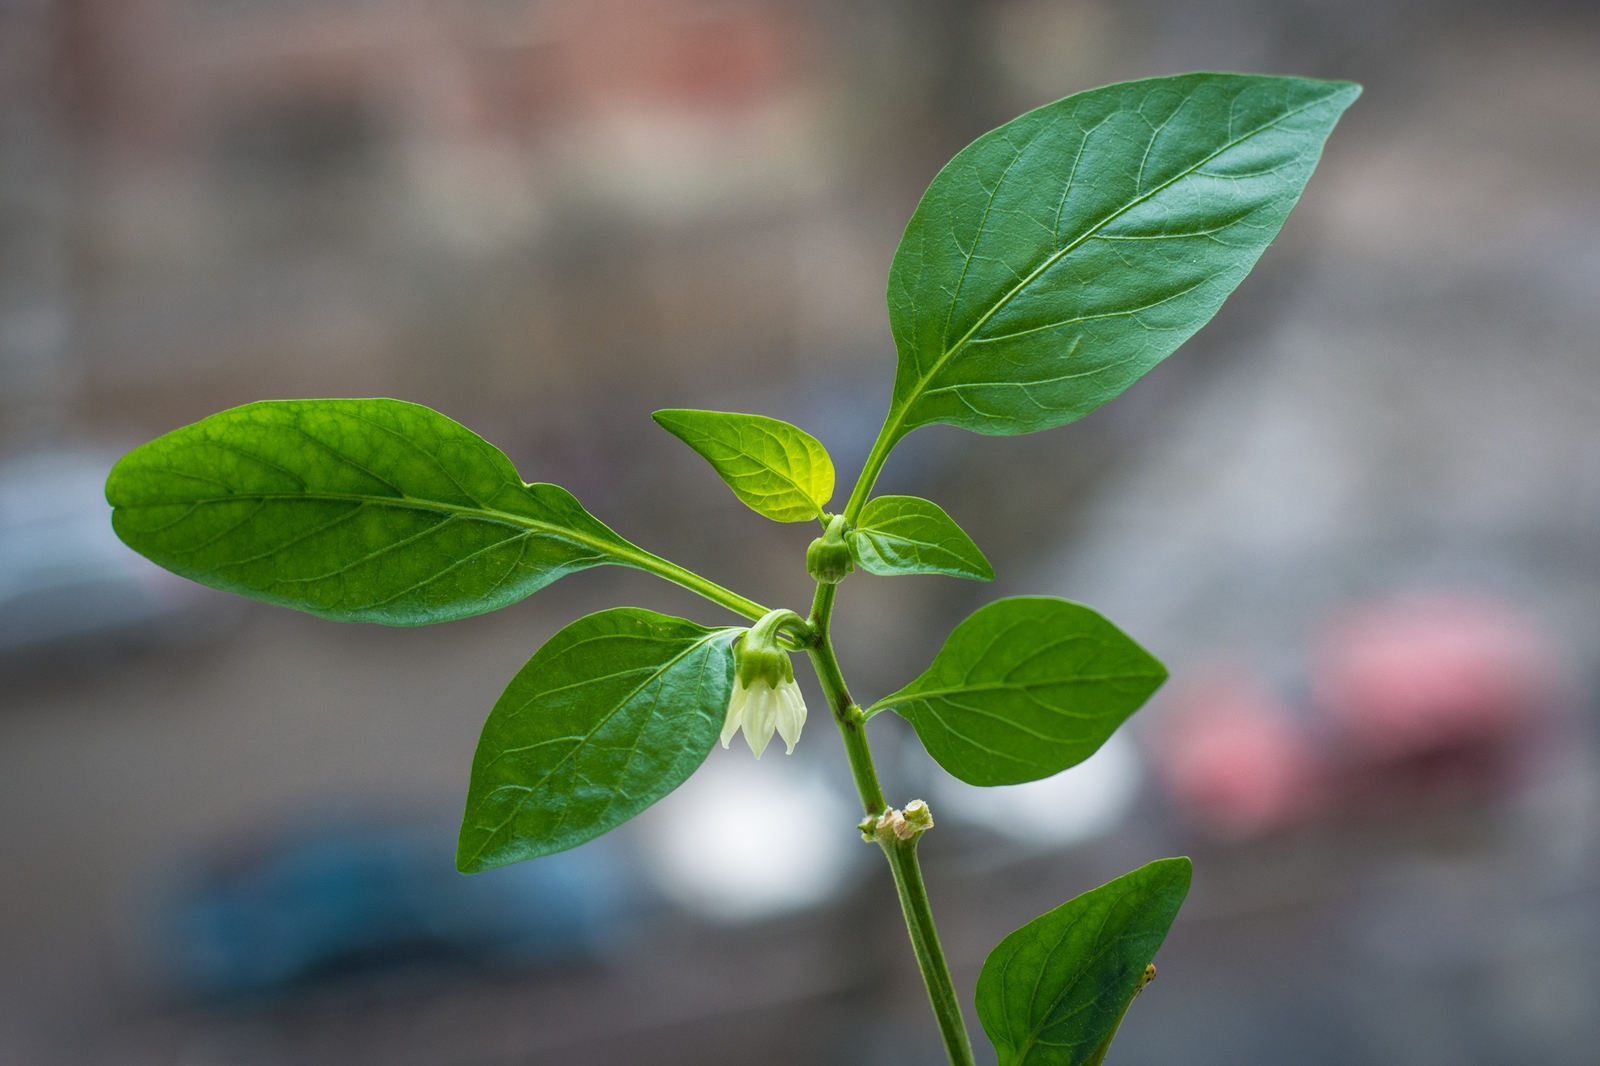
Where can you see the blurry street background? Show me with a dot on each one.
(1358, 515)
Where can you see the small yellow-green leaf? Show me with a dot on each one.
(615, 711)
(776, 469)
(1025, 688)
(907, 535)
(1052, 993)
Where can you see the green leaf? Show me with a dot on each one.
(358, 510)
(1058, 258)
(778, 470)
(1025, 688)
(1053, 992)
(905, 535)
(615, 711)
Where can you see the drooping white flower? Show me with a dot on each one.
(762, 708)
(765, 697)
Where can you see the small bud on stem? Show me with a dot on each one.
(908, 824)
(828, 558)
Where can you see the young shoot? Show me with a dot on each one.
(1050, 264)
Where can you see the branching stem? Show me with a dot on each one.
(902, 854)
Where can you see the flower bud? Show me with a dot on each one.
(918, 817)
(891, 825)
(828, 558)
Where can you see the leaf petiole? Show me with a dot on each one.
(678, 575)
(881, 448)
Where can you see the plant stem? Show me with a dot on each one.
(640, 559)
(846, 714)
(874, 466)
(902, 854)
(608, 549)
(930, 955)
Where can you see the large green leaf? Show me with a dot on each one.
(1025, 688)
(906, 535)
(614, 712)
(359, 510)
(778, 470)
(1058, 258)
(1053, 992)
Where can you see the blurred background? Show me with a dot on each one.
(1358, 515)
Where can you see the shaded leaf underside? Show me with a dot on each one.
(614, 712)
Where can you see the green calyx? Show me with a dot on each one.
(759, 656)
(828, 558)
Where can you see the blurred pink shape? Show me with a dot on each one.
(1428, 674)
(1233, 758)
(685, 54)
(1426, 700)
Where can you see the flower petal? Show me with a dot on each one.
(760, 716)
(736, 705)
(791, 716)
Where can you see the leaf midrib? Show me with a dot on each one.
(950, 353)
(998, 686)
(619, 547)
(740, 452)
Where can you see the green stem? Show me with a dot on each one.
(640, 559)
(846, 713)
(925, 941)
(902, 854)
(888, 436)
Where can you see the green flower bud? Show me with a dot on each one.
(828, 558)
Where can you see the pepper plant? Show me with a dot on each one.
(1049, 265)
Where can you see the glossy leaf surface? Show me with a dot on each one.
(1058, 258)
(776, 469)
(359, 510)
(1053, 991)
(614, 712)
(907, 535)
(1025, 688)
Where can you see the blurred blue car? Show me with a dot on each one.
(331, 899)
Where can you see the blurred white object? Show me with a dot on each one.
(1074, 806)
(63, 572)
(743, 840)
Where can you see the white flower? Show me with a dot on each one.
(764, 696)
(762, 708)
